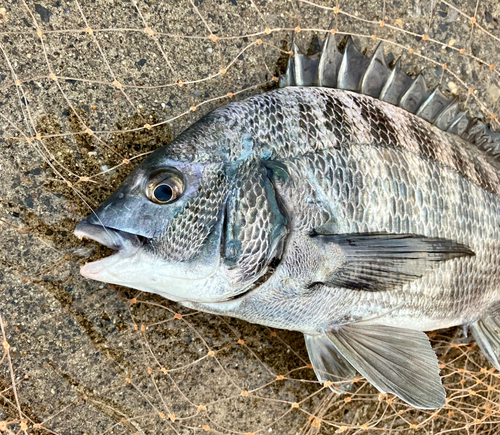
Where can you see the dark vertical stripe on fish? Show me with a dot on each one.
(335, 113)
(382, 128)
(426, 144)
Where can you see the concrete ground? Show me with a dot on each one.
(86, 89)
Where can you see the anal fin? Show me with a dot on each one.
(395, 360)
(328, 363)
(487, 334)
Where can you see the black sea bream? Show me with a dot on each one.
(360, 216)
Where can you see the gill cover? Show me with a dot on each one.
(255, 225)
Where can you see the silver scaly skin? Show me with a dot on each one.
(351, 182)
(324, 211)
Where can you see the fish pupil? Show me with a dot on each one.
(163, 193)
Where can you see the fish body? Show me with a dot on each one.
(325, 211)
(374, 177)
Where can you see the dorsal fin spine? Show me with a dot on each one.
(459, 125)
(352, 68)
(448, 115)
(415, 95)
(433, 106)
(376, 74)
(329, 63)
(397, 84)
(353, 71)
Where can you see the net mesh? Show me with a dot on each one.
(87, 89)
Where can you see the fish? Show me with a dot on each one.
(351, 203)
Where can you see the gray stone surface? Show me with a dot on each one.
(85, 358)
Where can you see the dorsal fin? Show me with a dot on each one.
(448, 115)
(397, 84)
(351, 70)
(376, 75)
(435, 104)
(413, 98)
(305, 68)
(329, 63)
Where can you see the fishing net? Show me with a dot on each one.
(87, 89)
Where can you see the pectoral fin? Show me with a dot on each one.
(395, 360)
(328, 363)
(381, 261)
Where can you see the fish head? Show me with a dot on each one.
(165, 222)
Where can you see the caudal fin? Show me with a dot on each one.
(487, 334)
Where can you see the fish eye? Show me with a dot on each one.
(165, 187)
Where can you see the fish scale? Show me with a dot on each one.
(354, 118)
(360, 216)
(455, 220)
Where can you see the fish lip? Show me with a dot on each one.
(111, 237)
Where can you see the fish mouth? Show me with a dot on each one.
(126, 245)
(117, 240)
(135, 267)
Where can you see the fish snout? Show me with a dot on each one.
(115, 239)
